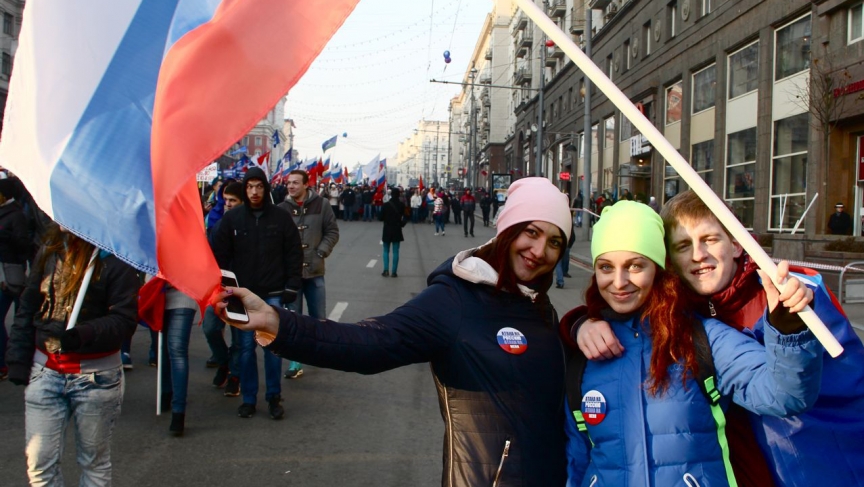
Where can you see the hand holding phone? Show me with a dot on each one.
(235, 311)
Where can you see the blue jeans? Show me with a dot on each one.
(415, 215)
(367, 212)
(249, 366)
(316, 302)
(214, 330)
(346, 214)
(563, 267)
(175, 347)
(395, 256)
(6, 301)
(439, 223)
(92, 401)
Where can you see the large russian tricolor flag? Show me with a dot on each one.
(114, 106)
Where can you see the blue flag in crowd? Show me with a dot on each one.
(329, 143)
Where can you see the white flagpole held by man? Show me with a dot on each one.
(620, 100)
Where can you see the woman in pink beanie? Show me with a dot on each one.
(487, 327)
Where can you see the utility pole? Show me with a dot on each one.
(435, 165)
(587, 197)
(537, 171)
(473, 140)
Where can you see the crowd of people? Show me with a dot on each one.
(686, 366)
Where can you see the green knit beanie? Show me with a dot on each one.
(631, 226)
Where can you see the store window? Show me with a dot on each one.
(674, 101)
(744, 70)
(704, 88)
(792, 53)
(741, 174)
(789, 171)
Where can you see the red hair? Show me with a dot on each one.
(669, 323)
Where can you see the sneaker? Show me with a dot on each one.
(567, 275)
(385, 273)
(211, 364)
(221, 376)
(127, 361)
(274, 405)
(472, 234)
(246, 410)
(559, 286)
(178, 424)
(232, 387)
(293, 373)
(394, 275)
(436, 234)
(443, 233)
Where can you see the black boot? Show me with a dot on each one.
(165, 403)
(178, 422)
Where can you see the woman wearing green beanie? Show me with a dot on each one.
(654, 416)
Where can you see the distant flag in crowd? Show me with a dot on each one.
(99, 97)
(325, 171)
(370, 170)
(336, 172)
(277, 172)
(329, 143)
(263, 163)
(420, 186)
(358, 175)
(381, 179)
(241, 150)
(275, 138)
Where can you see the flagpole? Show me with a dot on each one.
(82, 290)
(159, 374)
(717, 206)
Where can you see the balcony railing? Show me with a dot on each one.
(557, 8)
(521, 21)
(489, 54)
(577, 21)
(524, 43)
(599, 4)
(521, 76)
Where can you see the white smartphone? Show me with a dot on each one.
(235, 311)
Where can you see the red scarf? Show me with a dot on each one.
(739, 305)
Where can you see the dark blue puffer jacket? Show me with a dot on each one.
(503, 412)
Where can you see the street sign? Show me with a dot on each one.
(564, 176)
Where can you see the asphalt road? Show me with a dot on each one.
(339, 429)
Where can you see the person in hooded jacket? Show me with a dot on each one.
(260, 243)
(487, 327)
(393, 216)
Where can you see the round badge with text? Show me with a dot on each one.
(512, 341)
(593, 407)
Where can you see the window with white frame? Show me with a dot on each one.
(702, 160)
(626, 54)
(789, 171)
(856, 23)
(609, 132)
(674, 102)
(646, 37)
(671, 182)
(672, 18)
(706, 7)
(626, 130)
(744, 70)
(257, 141)
(609, 66)
(704, 84)
(740, 188)
(792, 48)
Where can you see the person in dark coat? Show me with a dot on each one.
(393, 216)
(487, 328)
(840, 223)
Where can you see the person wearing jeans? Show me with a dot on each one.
(249, 370)
(393, 216)
(71, 374)
(438, 214)
(180, 313)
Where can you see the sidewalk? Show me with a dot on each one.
(581, 253)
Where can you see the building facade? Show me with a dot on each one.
(763, 99)
(424, 154)
(11, 11)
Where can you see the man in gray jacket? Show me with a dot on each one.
(319, 233)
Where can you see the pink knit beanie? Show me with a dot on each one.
(536, 199)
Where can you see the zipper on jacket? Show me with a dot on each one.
(449, 427)
(688, 477)
(593, 481)
(504, 456)
(711, 308)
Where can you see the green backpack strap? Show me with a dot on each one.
(708, 384)
(575, 371)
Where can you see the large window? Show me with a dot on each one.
(627, 56)
(702, 160)
(609, 132)
(704, 85)
(856, 23)
(671, 183)
(7, 24)
(741, 174)
(674, 100)
(646, 37)
(6, 68)
(789, 170)
(672, 18)
(744, 70)
(793, 49)
(626, 130)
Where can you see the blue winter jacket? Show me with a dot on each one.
(672, 439)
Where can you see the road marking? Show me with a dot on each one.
(371, 263)
(336, 314)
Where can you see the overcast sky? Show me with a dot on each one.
(372, 79)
